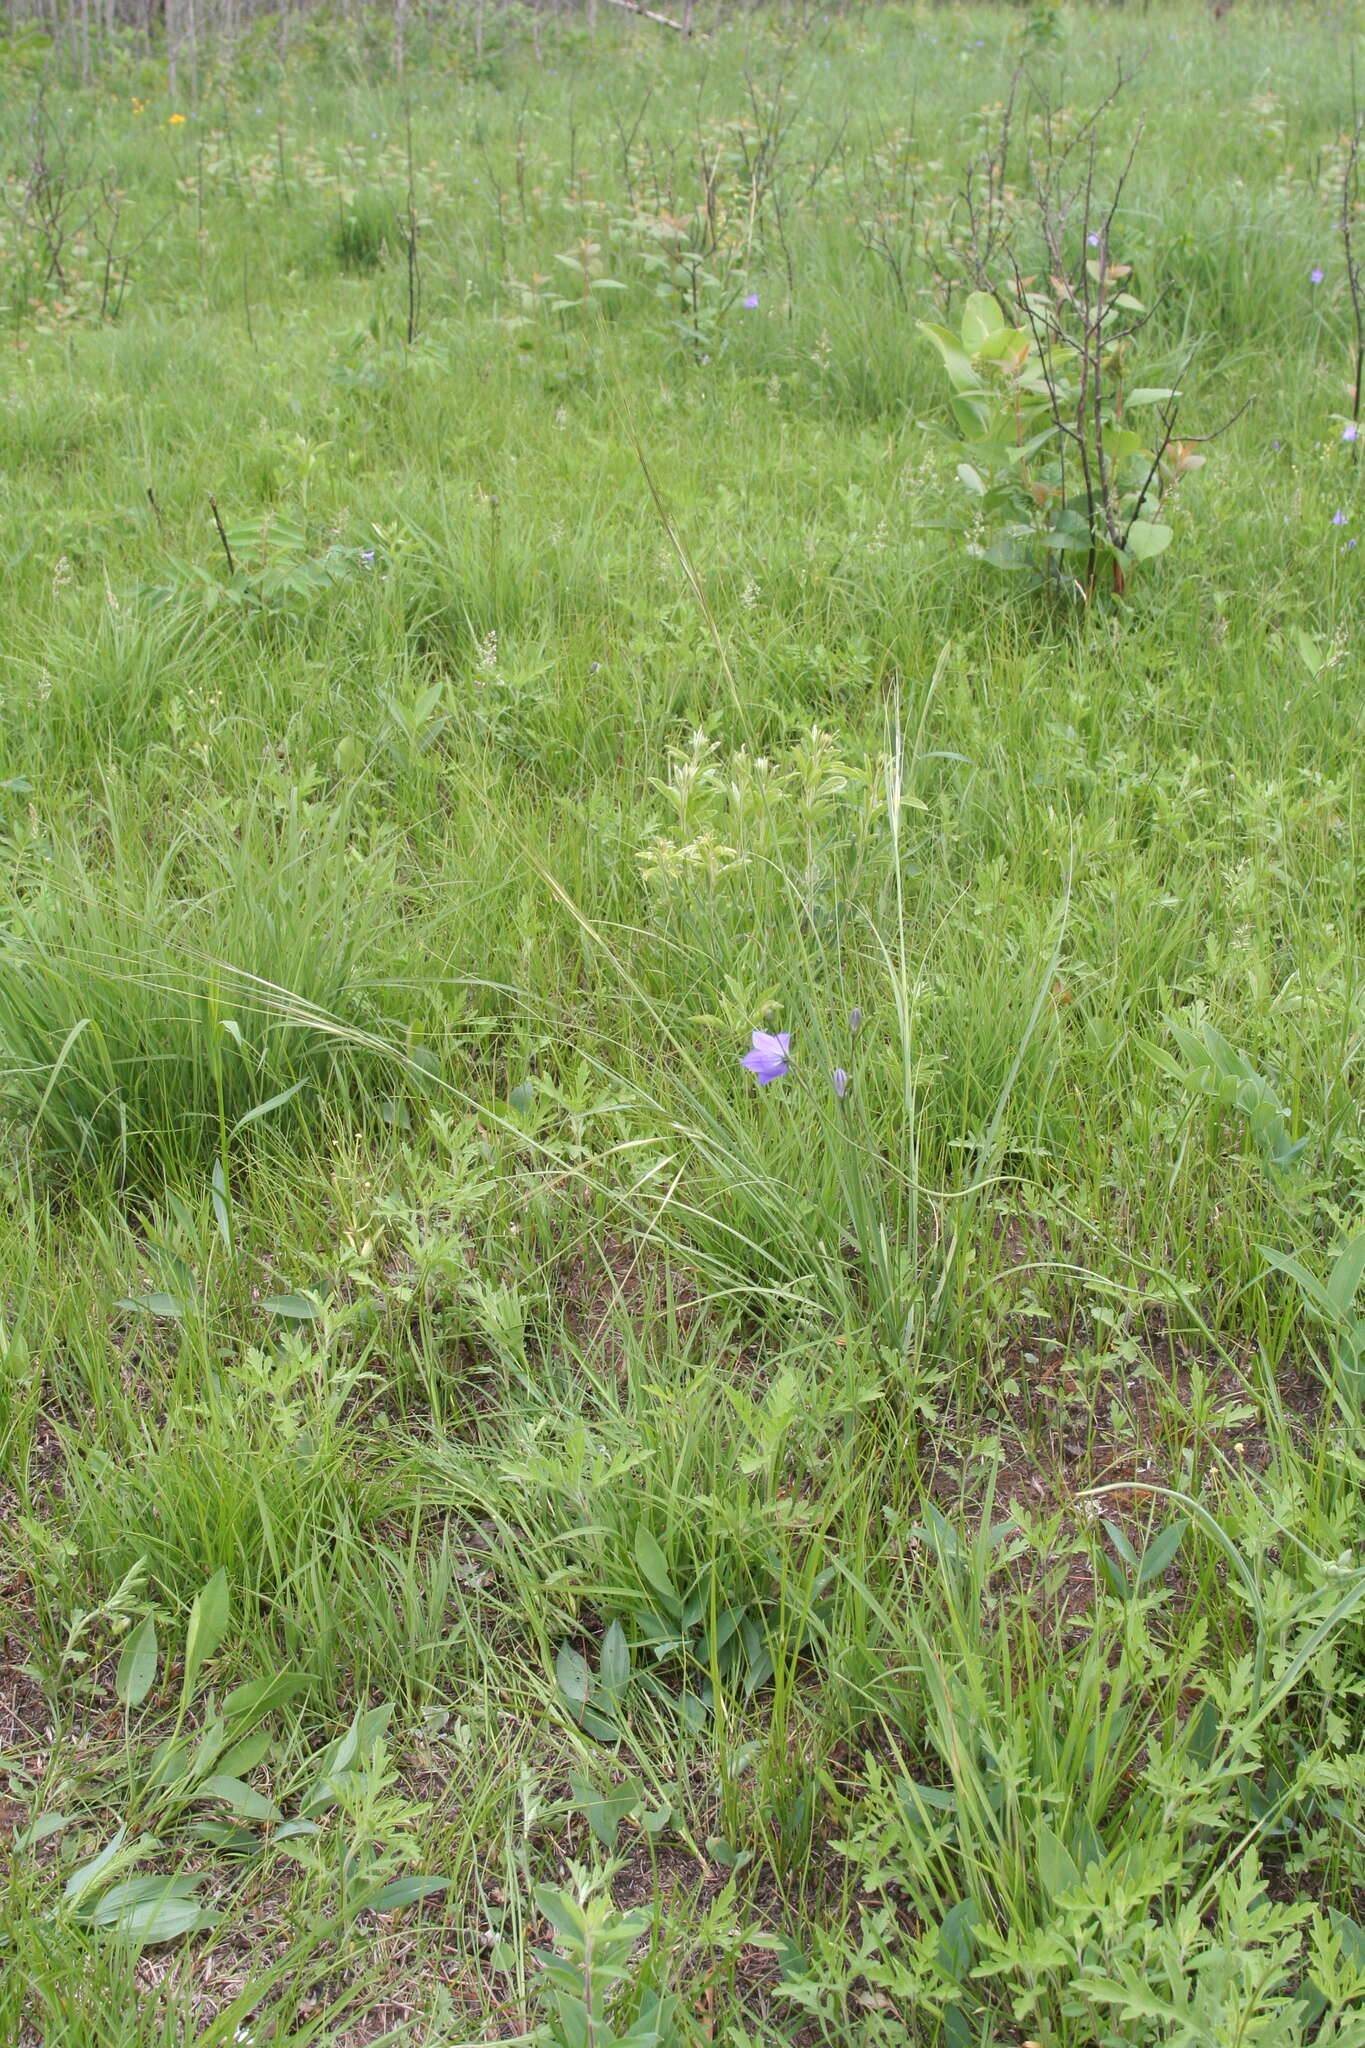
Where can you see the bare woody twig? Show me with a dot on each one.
(1353, 280)
(664, 20)
(222, 532)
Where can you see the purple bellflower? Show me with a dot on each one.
(767, 1061)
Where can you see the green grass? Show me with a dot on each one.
(891, 1564)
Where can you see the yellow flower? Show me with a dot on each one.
(176, 119)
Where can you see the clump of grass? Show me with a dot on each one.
(364, 233)
(148, 1006)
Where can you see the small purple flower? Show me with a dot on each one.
(1315, 276)
(1276, 446)
(367, 557)
(751, 301)
(1093, 240)
(1351, 544)
(768, 1059)
(1351, 431)
(840, 1083)
(1338, 518)
(855, 1020)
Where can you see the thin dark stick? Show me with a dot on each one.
(1348, 191)
(414, 271)
(222, 533)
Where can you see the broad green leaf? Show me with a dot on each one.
(1006, 341)
(1007, 554)
(959, 2027)
(82, 1879)
(148, 1922)
(246, 1704)
(45, 1825)
(956, 1940)
(1348, 1270)
(245, 1756)
(218, 1195)
(654, 1566)
(1061, 541)
(294, 1308)
(138, 1891)
(136, 1672)
(1149, 394)
(405, 1891)
(564, 1913)
(1146, 538)
(208, 1749)
(604, 1811)
(613, 1671)
(208, 1625)
(961, 373)
(168, 1764)
(1160, 1552)
(228, 1835)
(981, 318)
(972, 413)
(573, 1676)
(1352, 1936)
(1202, 1730)
(1057, 1871)
(243, 1799)
(168, 1305)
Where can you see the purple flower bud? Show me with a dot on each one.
(767, 1061)
(1315, 276)
(840, 1083)
(1338, 518)
(751, 301)
(855, 1020)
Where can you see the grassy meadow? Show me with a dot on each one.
(513, 1526)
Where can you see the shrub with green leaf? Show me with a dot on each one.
(1061, 484)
